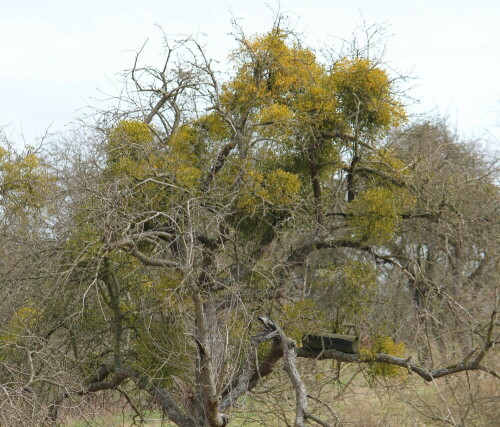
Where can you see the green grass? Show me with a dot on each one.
(152, 419)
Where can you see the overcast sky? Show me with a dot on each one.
(56, 54)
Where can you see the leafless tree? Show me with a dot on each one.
(168, 236)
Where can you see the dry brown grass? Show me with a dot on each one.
(466, 400)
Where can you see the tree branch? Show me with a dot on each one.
(286, 348)
(129, 246)
(219, 163)
(426, 374)
(250, 373)
(205, 375)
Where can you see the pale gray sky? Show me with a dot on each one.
(55, 54)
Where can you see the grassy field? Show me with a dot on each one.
(467, 400)
(150, 420)
(125, 420)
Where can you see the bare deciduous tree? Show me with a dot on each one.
(286, 190)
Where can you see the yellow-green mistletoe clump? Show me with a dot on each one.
(129, 150)
(128, 139)
(374, 215)
(365, 94)
(385, 344)
(183, 159)
(277, 188)
(24, 181)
